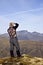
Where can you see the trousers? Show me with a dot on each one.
(14, 43)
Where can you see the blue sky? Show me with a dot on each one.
(28, 13)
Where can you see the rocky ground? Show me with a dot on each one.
(24, 60)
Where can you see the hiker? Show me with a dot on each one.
(13, 39)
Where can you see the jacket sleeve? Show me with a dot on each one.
(8, 30)
(16, 25)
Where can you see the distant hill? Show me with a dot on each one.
(25, 35)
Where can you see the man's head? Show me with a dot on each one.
(11, 24)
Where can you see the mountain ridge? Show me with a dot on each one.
(25, 35)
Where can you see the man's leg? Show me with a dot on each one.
(18, 53)
(11, 49)
(11, 53)
(17, 47)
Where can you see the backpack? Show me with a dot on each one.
(11, 32)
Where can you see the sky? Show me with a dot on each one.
(27, 13)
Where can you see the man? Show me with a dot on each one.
(13, 39)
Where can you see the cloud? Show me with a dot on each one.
(26, 11)
(27, 19)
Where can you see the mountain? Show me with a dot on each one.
(34, 36)
(25, 35)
